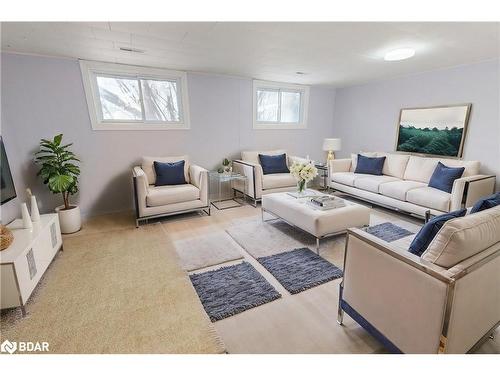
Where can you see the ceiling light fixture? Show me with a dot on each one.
(300, 73)
(399, 54)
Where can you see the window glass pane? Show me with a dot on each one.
(290, 106)
(119, 98)
(160, 100)
(267, 105)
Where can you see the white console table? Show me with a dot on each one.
(25, 261)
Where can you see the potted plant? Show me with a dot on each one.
(226, 164)
(59, 172)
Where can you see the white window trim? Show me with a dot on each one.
(89, 68)
(304, 105)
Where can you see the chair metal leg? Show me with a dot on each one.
(137, 223)
(340, 316)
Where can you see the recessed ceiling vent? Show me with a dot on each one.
(133, 50)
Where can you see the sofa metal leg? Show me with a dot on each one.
(340, 315)
(317, 245)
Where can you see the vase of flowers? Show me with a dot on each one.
(303, 173)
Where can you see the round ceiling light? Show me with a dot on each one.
(399, 54)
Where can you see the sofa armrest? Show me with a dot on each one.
(339, 165)
(253, 172)
(198, 176)
(140, 190)
(401, 298)
(467, 190)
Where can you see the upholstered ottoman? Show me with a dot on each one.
(317, 222)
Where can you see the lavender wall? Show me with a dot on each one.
(365, 116)
(44, 96)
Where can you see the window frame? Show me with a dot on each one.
(281, 87)
(91, 69)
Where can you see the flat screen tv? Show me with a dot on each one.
(7, 191)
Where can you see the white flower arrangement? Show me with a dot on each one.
(303, 173)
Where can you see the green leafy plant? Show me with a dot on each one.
(58, 169)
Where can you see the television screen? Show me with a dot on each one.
(7, 191)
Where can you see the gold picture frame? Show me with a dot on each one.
(433, 131)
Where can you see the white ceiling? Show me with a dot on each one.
(338, 54)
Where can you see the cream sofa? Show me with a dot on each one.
(259, 183)
(446, 301)
(155, 201)
(403, 185)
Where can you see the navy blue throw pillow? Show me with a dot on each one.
(368, 165)
(430, 229)
(169, 173)
(443, 177)
(486, 202)
(273, 163)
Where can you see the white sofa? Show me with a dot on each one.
(260, 183)
(403, 185)
(446, 301)
(156, 201)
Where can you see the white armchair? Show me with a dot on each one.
(156, 201)
(446, 301)
(260, 183)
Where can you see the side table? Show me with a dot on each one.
(232, 179)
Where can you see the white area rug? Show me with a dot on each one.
(272, 237)
(207, 250)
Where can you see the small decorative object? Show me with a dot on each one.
(35, 214)
(60, 173)
(303, 173)
(227, 165)
(331, 145)
(438, 131)
(27, 224)
(6, 237)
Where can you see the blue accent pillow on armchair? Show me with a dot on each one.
(443, 177)
(368, 165)
(273, 163)
(427, 233)
(169, 173)
(485, 203)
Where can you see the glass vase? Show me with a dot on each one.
(301, 187)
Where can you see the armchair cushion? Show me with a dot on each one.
(169, 173)
(465, 237)
(273, 163)
(427, 233)
(253, 156)
(443, 177)
(278, 180)
(148, 168)
(169, 194)
(485, 203)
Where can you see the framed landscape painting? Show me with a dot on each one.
(437, 131)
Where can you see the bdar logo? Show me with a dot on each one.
(8, 347)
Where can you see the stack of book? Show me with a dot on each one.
(326, 202)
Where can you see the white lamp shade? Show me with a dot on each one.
(332, 144)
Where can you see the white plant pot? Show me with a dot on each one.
(70, 220)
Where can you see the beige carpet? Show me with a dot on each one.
(206, 250)
(115, 289)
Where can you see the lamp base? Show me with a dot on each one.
(331, 156)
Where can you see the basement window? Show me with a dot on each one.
(123, 97)
(279, 105)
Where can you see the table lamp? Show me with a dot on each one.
(331, 145)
